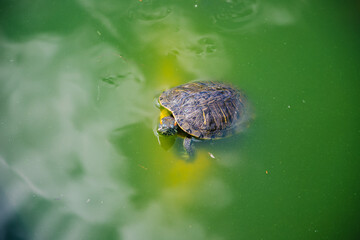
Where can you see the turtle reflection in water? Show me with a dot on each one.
(202, 110)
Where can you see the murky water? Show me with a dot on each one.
(78, 155)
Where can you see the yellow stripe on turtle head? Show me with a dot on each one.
(164, 113)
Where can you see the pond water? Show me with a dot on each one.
(78, 86)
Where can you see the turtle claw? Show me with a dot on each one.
(186, 157)
(189, 150)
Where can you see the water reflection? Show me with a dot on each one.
(170, 36)
(81, 158)
(77, 129)
(165, 187)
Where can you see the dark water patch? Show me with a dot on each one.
(58, 17)
(12, 225)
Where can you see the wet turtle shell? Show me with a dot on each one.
(206, 110)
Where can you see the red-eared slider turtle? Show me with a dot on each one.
(203, 110)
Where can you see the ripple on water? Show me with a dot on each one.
(234, 14)
(149, 10)
(117, 79)
(203, 47)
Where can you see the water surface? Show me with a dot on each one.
(78, 155)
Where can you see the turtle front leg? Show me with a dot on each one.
(188, 147)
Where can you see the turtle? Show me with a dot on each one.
(202, 110)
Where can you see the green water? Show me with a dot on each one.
(78, 155)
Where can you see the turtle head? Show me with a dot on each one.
(167, 126)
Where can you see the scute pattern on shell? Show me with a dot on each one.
(206, 109)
